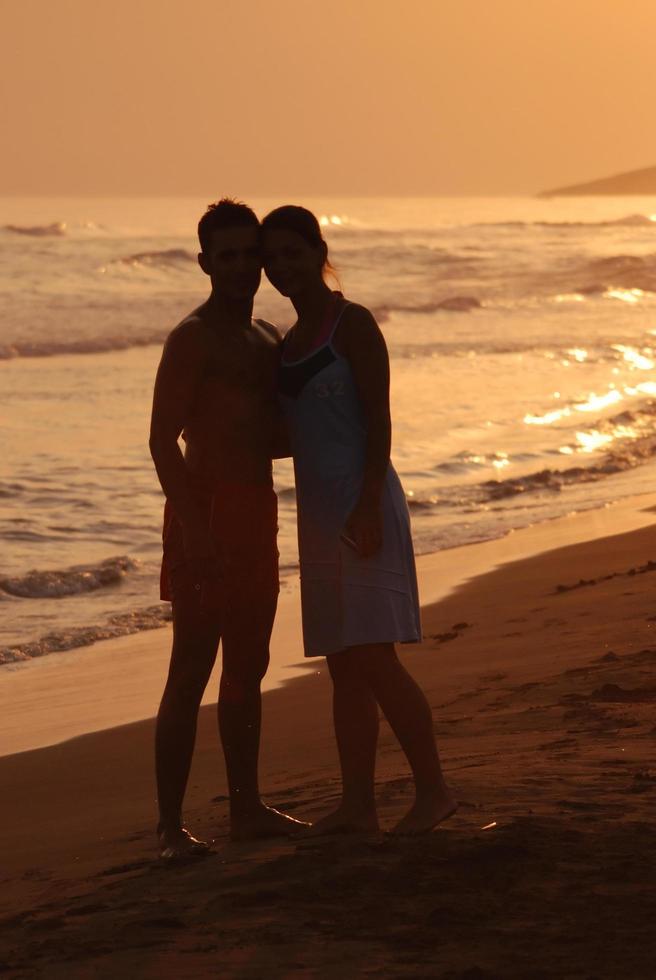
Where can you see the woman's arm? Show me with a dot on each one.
(362, 343)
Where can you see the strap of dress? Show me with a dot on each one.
(335, 323)
(328, 327)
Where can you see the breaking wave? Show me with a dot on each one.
(452, 304)
(628, 452)
(59, 583)
(124, 624)
(345, 230)
(158, 258)
(55, 230)
(626, 271)
(556, 480)
(629, 221)
(83, 345)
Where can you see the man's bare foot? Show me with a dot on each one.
(426, 813)
(344, 821)
(265, 822)
(179, 845)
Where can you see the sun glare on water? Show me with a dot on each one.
(626, 295)
(635, 358)
(333, 219)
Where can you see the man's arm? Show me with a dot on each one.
(176, 385)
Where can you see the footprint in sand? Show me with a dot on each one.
(647, 656)
(614, 694)
(581, 805)
(644, 781)
(48, 923)
(35, 874)
(163, 922)
(263, 897)
(559, 743)
(87, 909)
(121, 869)
(607, 658)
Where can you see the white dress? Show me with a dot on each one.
(346, 600)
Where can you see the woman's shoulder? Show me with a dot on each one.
(356, 313)
(357, 325)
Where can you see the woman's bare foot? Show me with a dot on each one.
(344, 820)
(426, 813)
(179, 845)
(265, 822)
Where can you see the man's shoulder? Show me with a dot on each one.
(269, 329)
(189, 334)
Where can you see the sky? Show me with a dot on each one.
(345, 97)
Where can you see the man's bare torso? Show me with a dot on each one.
(229, 431)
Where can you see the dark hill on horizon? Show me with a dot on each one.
(631, 182)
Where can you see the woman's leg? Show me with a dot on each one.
(355, 714)
(405, 706)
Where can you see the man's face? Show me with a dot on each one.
(234, 261)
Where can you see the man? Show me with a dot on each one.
(216, 385)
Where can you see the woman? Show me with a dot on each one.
(358, 580)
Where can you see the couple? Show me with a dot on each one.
(222, 383)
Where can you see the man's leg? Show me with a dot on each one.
(245, 661)
(195, 642)
(355, 714)
(409, 715)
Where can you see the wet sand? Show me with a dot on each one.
(542, 679)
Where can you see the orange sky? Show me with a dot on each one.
(342, 97)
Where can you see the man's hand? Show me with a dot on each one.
(205, 567)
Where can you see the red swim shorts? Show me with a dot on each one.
(242, 523)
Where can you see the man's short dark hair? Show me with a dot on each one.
(226, 213)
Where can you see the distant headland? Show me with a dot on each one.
(631, 182)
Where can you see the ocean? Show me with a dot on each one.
(522, 339)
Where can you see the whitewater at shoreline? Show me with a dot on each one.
(133, 668)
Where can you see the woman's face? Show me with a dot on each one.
(290, 263)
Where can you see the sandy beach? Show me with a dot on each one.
(541, 676)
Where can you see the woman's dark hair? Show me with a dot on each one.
(226, 213)
(293, 217)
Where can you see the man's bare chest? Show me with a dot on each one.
(243, 366)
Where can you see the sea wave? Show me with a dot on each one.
(634, 445)
(548, 479)
(629, 221)
(157, 258)
(81, 345)
(451, 304)
(346, 231)
(59, 583)
(625, 271)
(152, 617)
(54, 230)
(556, 480)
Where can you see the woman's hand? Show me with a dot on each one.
(364, 527)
